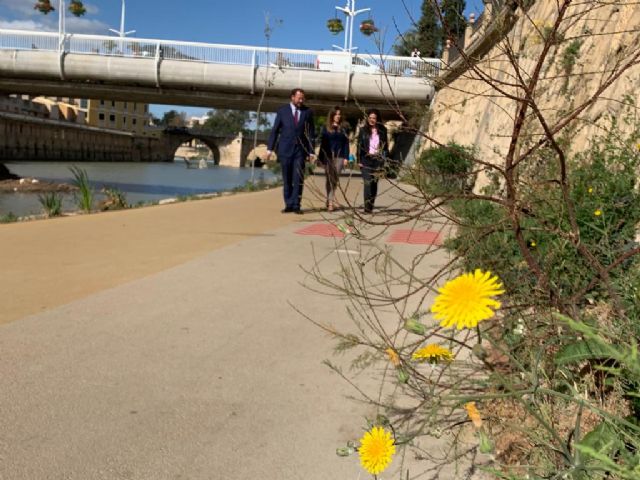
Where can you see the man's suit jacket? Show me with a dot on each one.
(292, 139)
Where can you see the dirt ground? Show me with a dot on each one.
(46, 263)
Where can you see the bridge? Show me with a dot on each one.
(207, 75)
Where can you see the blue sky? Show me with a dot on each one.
(297, 24)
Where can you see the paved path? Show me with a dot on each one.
(201, 370)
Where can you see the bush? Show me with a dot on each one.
(445, 170)
(607, 212)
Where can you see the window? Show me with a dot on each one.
(124, 120)
(101, 102)
(84, 103)
(125, 105)
(134, 121)
(113, 104)
(112, 118)
(101, 116)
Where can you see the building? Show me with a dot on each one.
(124, 116)
(23, 105)
(130, 117)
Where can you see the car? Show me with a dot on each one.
(339, 62)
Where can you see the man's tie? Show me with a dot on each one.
(296, 116)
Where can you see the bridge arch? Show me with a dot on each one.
(210, 143)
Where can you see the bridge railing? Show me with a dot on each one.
(218, 53)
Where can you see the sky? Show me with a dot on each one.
(297, 24)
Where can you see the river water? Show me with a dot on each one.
(140, 182)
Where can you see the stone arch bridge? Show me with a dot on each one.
(35, 139)
(231, 151)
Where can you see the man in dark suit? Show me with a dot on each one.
(294, 134)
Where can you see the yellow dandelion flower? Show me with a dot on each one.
(598, 212)
(590, 190)
(393, 357)
(433, 354)
(467, 300)
(376, 450)
(474, 414)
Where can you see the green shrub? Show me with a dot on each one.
(445, 170)
(607, 212)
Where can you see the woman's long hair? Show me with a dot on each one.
(330, 116)
(379, 123)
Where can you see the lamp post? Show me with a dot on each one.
(350, 11)
(121, 33)
(61, 20)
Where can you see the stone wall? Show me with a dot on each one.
(472, 112)
(24, 138)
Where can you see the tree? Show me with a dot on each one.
(426, 35)
(453, 21)
(429, 32)
(173, 118)
(227, 122)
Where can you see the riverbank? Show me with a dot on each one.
(134, 183)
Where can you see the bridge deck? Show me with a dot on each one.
(184, 73)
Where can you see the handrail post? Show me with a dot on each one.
(445, 53)
(62, 51)
(488, 11)
(158, 60)
(254, 70)
(349, 76)
(468, 31)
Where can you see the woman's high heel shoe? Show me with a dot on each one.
(330, 207)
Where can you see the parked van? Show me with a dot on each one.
(339, 62)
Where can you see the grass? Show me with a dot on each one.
(84, 197)
(9, 218)
(51, 204)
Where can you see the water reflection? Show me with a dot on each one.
(140, 182)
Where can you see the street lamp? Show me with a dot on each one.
(121, 33)
(350, 11)
(61, 19)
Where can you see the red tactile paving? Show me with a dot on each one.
(415, 237)
(321, 230)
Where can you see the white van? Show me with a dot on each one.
(339, 62)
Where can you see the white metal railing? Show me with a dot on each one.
(217, 53)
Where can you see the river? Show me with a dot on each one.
(140, 182)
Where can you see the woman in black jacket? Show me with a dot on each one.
(373, 148)
(334, 153)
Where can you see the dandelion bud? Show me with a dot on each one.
(414, 326)
(403, 376)
(345, 451)
(486, 445)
